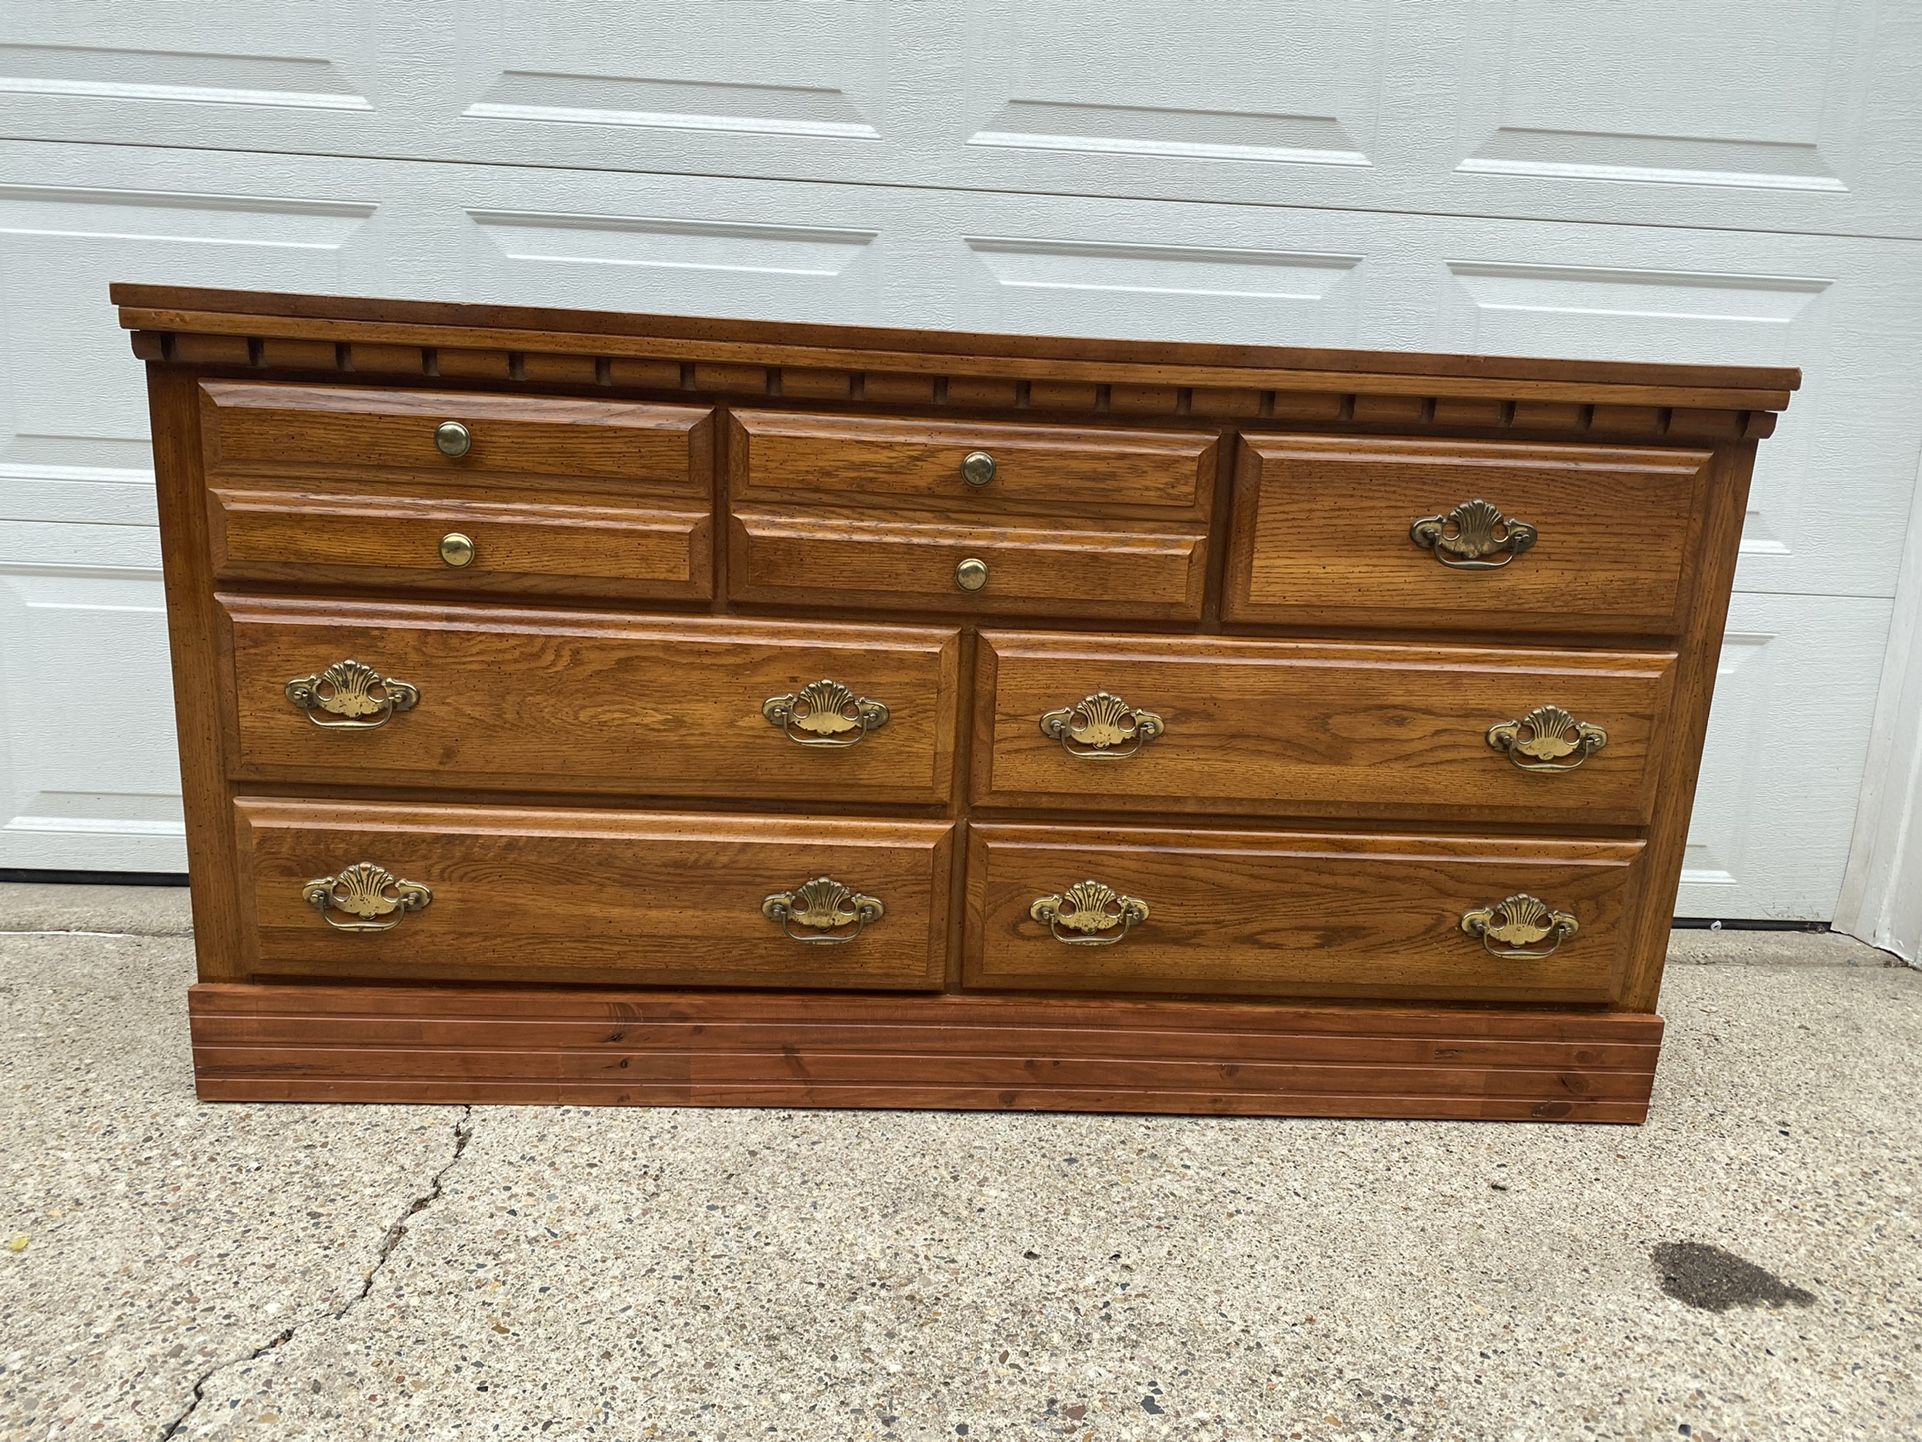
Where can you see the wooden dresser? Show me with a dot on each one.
(610, 708)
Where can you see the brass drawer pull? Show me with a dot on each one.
(452, 439)
(1539, 740)
(826, 908)
(824, 713)
(971, 574)
(359, 695)
(1478, 531)
(977, 468)
(1102, 727)
(456, 549)
(362, 891)
(1517, 924)
(1089, 914)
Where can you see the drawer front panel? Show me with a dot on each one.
(482, 894)
(313, 485)
(506, 699)
(1295, 914)
(646, 554)
(1031, 571)
(967, 468)
(1587, 538)
(1144, 723)
(253, 428)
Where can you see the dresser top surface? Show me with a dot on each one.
(202, 310)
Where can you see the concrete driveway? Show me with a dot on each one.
(1748, 1265)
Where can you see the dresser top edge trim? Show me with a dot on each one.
(194, 310)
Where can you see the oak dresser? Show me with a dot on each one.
(583, 707)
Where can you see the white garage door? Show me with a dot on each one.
(1622, 179)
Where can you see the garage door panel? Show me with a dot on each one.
(1267, 87)
(714, 86)
(1636, 92)
(1787, 741)
(1700, 115)
(287, 77)
(88, 776)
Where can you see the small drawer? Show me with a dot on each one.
(967, 469)
(1147, 723)
(1507, 537)
(557, 701)
(1087, 571)
(1246, 913)
(404, 892)
(458, 491)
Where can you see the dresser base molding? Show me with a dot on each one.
(555, 1046)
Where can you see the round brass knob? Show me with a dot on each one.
(456, 549)
(971, 574)
(453, 439)
(978, 468)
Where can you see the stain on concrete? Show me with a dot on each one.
(1715, 1280)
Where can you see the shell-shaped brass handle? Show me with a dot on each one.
(1089, 913)
(1468, 535)
(1512, 928)
(1544, 739)
(359, 695)
(827, 911)
(371, 896)
(824, 713)
(1102, 727)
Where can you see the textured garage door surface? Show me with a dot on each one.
(1624, 180)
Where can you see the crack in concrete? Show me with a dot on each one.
(463, 1133)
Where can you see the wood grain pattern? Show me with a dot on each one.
(1321, 528)
(1289, 914)
(1308, 728)
(826, 561)
(613, 448)
(334, 485)
(798, 459)
(334, 1043)
(559, 550)
(590, 701)
(347, 319)
(1725, 508)
(521, 894)
(198, 676)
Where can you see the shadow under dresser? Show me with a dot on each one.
(582, 707)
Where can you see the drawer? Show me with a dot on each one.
(1116, 571)
(391, 891)
(967, 468)
(318, 485)
(1496, 535)
(1147, 723)
(1298, 914)
(501, 699)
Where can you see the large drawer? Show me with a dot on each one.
(502, 699)
(458, 491)
(1298, 914)
(1120, 570)
(391, 891)
(1146, 723)
(967, 469)
(1441, 534)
